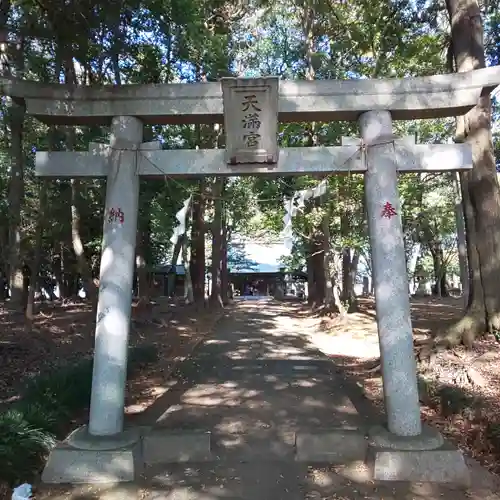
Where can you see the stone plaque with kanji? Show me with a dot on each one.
(251, 119)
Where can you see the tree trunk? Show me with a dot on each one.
(461, 242)
(197, 264)
(319, 245)
(218, 190)
(350, 260)
(224, 272)
(353, 271)
(311, 285)
(16, 199)
(329, 295)
(83, 265)
(482, 200)
(40, 228)
(4, 265)
(336, 262)
(79, 251)
(35, 266)
(436, 264)
(143, 260)
(188, 284)
(317, 259)
(57, 269)
(15, 119)
(444, 285)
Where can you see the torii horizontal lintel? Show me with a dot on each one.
(292, 161)
(188, 163)
(411, 157)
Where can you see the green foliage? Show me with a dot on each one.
(22, 447)
(28, 431)
(347, 40)
(238, 260)
(41, 415)
(160, 41)
(68, 388)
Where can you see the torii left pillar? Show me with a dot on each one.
(116, 279)
(103, 452)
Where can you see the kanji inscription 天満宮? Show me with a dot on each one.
(251, 120)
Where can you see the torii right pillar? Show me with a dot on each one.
(404, 449)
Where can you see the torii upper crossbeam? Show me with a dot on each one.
(299, 101)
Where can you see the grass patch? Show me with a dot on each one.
(30, 428)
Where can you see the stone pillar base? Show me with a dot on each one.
(423, 458)
(82, 458)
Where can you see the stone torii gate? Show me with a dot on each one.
(251, 109)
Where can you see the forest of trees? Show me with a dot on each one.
(50, 230)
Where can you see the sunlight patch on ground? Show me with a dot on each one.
(216, 342)
(217, 395)
(287, 353)
(304, 383)
(153, 393)
(238, 426)
(346, 345)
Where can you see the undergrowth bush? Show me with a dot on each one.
(22, 446)
(67, 389)
(29, 429)
(493, 434)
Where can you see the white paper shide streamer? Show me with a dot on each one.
(296, 203)
(181, 216)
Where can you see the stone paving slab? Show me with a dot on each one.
(336, 446)
(163, 446)
(266, 445)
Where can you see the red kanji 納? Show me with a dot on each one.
(116, 214)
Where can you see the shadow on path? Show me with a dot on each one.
(256, 372)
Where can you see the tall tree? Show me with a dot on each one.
(15, 119)
(480, 188)
(217, 229)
